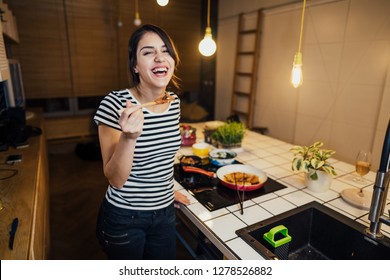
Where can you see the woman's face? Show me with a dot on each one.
(155, 65)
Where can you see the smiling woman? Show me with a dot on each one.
(140, 176)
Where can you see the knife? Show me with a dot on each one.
(12, 233)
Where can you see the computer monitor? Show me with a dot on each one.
(17, 94)
(4, 98)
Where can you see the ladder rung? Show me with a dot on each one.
(249, 31)
(244, 74)
(242, 93)
(240, 112)
(245, 53)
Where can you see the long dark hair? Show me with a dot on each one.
(132, 49)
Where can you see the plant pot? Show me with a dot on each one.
(322, 184)
(229, 146)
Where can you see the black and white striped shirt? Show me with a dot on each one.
(150, 183)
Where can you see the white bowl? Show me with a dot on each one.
(220, 157)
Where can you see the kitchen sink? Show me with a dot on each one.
(317, 232)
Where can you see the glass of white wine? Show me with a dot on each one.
(363, 164)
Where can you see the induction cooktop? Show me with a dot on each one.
(212, 194)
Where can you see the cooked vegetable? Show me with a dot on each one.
(241, 178)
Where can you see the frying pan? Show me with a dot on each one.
(194, 161)
(224, 170)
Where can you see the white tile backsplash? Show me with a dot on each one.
(277, 205)
(323, 196)
(339, 185)
(260, 163)
(346, 207)
(295, 180)
(277, 160)
(265, 197)
(300, 198)
(277, 172)
(253, 214)
(224, 222)
(204, 214)
(225, 226)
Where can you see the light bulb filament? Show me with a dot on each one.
(296, 73)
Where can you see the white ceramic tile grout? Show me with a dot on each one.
(272, 156)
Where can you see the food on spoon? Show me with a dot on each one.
(165, 99)
(161, 100)
(241, 178)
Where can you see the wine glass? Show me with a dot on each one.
(359, 197)
(363, 164)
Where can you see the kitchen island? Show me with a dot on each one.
(273, 157)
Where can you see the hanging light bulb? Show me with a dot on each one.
(162, 3)
(296, 72)
(137, 19)
(207, 46)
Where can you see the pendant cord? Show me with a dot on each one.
(301, 31)
(136, 9)
(208, 13)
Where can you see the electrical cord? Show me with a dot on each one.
(13, 173)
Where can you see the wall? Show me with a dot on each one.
(345, 98)
(73, 52)
(73, 48)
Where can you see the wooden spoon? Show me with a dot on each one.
(161, 100)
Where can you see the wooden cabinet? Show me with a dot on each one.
(72, 53)
(25, 196)
(73, 49)
(4, 69)
(62, 128)
(8, 23)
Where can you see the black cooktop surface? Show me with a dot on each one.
(212, 194)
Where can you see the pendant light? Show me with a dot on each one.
(296, 73)
(207, 46)
(137, 19)
(162, 3)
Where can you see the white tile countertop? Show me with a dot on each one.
(273, 157)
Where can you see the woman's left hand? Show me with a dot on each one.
(181, 199)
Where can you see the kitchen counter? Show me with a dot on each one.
(273, 157)
(24, 194)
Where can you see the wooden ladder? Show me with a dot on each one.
(245, 69)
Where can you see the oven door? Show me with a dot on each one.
(194, 241)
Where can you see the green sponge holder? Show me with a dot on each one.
(280, 246)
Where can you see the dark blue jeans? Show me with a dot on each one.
(134, 235)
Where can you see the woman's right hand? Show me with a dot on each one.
(131, 121)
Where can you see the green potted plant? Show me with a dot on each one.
(229, 135)
(313, 161)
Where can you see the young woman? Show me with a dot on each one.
(138, 146)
